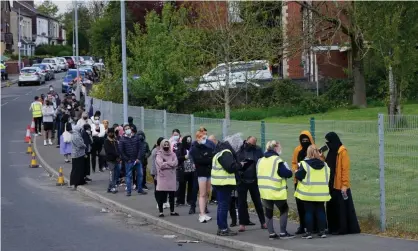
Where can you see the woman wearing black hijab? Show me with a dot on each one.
(341, 214)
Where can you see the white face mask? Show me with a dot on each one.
(51, 89)
(68, 107)
(202, 141)
(176, 137)
(128, 131)
(96, 118)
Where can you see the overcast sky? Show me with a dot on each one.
(62, 4)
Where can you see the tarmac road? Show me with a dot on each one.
(37, 215)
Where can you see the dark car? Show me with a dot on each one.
(70, 62)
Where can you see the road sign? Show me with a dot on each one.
(19, 44)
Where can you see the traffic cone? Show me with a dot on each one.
(33, 163)
(32, 126)
(60, 181)
(28, 137)
(29, 151)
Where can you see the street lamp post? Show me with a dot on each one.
(77, 92)
(124, 74)
(19, 44)
(74, 33)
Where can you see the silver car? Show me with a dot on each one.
(31, 75)
(62, 63)
(47, 70)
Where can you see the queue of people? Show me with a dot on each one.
(187, 171)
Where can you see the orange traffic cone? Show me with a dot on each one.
(33, 163)
(29, 151)
(28, 137)
(32, 126)
(60, 181)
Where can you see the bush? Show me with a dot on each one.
(64, 53)
(53, 50)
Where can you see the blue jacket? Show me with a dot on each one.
(131, 148)
(283, 171)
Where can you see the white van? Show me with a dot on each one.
(240, 73)
(53, 62)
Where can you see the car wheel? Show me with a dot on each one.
(39, 83)
(19, 84)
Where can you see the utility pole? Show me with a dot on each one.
(124, 74)
(77, 93)
(73, 32)
(19, 44)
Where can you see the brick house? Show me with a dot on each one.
(6, 34)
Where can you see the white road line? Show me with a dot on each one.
(28, 93)
(4, 103)
(17, 141)
(19, 165)
(15, 98)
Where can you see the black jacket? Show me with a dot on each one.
(131, 148)
(202, 158)
(112, 150)
(181, 151)
(248, 173)
(145, 146)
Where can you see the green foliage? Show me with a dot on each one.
(48, 8)
(84, 24)
(53, 50)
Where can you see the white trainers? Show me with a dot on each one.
(134, 187)
(166, 205)
(207, 217)
(50, 142)
(39, 134)
(202, 219)
(45, 143)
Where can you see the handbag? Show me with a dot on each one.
(66, 136)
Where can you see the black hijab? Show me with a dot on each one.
(186, 145)
(302, 153)
(334, 143)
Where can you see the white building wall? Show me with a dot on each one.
(64, 36)
(42, 28)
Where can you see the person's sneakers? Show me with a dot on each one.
(264, 226)
(322, 234)
(67, 161)
(50, 142)
(113, 190)
(142, 192)
(207, 217)
(161, 215)
(39, 134)
(286, 236)
(166, 205)
(192, 210)
(233, 224)
(213, 202)
(87, 179)
(144, 187)
(250, 224)
(226, 232)
(174, 214)
(128, 194)
(134, 187)
(300, 231)
(307, 235)
(58, 146)
(202, 219)
(101, 170)
(179, 205)
(273, 236)
(45, 144)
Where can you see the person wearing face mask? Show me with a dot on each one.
(273, 187)
(166, 164)
(131, 151)
(98, 134)
(96, 116)
(78, 152)
(299, 154)
(247, 182)
(202, 158)
(175, 139)
(341, 214)
(131, 124)
(65, 147)
(113, 159)
(84, 120)
(185, 171)
(48, 113)
(88, 141)
(144, 161)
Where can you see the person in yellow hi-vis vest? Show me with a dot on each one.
(312, 189)
(36, 108)
(272, 172)
(224, 167)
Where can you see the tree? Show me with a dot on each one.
(230, 37)
(48, 8)
(392, 33)
(84, 24)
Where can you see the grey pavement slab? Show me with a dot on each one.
(13, 79)
(255, 235)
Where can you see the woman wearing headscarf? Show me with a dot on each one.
(166, 164)
(185, 171)
(88, 141)
(299, 154)
(78, 155)
(153, 171)
(341, 213)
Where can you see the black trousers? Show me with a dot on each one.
(243, 189)
(96, 148)
(144, 175)
(185, 184)
(233, 209)
(38, 124)
(87, 165)
(161, 197)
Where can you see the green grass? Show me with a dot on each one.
(344, 114)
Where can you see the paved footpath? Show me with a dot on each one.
(253, 239)
(13, 79)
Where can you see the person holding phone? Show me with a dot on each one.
(299, 154)
(312, 189)
(341, 214)
(249, 154)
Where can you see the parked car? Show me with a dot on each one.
(71, 75)
(47, 70)
(53, 62)
(31, 75)
(88, 60)
(75, 60)
(70, 62)
(62, 63)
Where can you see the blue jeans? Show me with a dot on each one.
(113, 174)
(314, 210)
(223, 194)
(129, 167)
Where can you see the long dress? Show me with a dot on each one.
(78, 155)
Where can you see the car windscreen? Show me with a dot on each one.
(73, 74)
(32, 70)
(42, 66)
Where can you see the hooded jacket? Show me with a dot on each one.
(166, 164)
(316, 164)
(145, 146)
(112, 149)
(295, 162)
(202, 155)
(248, 173)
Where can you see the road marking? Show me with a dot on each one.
(15, 152)
(20, 165)
(4, 103)
(15, 98)
(28, 93)
(16, 141)
(40, 88)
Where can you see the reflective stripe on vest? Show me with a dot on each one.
(220, 177)
(314, 187)
(36, 110)
(270, 184)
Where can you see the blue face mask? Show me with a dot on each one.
(176, 137)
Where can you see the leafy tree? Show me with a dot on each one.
(84, 24)
(48, 8)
